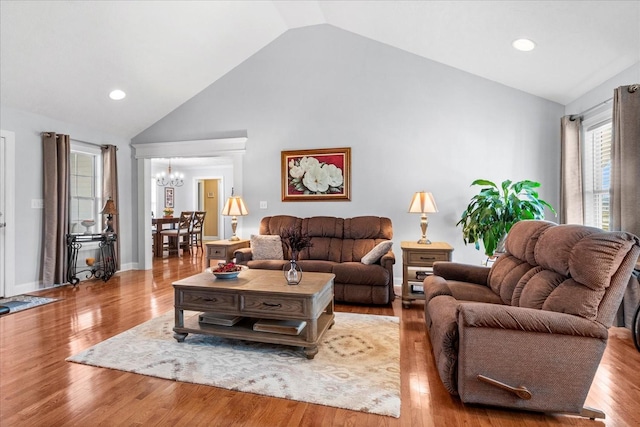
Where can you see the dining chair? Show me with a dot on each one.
(197, 226)
(179, 236)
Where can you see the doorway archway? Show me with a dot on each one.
(230, 148)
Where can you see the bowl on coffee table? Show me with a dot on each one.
(225, 275)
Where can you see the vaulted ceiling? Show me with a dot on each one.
(61, 59)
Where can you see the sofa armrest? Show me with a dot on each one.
(482, 315)
(243, 255)
(554, 356)
(434, 286)
(387, 260)
(462, 272)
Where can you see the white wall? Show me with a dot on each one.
(413, 124)
(604, 91)
(29, 183)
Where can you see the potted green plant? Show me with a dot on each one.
(492, 212)
(168, 212)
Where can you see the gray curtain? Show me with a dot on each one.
(56, 150)
(625, 181)
(625, 160)
(110, 189)
(571, 203)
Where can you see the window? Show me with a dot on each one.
(597, 171)
(85, 192)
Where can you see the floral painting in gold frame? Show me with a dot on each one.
(316, 175)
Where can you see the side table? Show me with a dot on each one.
(224, 249)
(417, 263)
(105, 265)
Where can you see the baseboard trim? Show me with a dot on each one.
(24, 288)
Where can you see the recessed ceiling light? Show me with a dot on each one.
(524, 45)
(117, 95)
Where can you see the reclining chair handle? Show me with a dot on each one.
(521, 391)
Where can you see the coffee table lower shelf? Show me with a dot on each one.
(243, 330)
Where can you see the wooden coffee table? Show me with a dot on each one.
(257, 294)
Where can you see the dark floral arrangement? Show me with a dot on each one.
(295, 241)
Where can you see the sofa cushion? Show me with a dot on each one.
(363, 233)
(323, 248)
(376, 253)
(505, 274)
(276, 224)
(323, 226)
(326, 238)
(605, 251)
(522, 241)
(464, 291)
(574, 298)
(368, 227)
(555, 245)
(535, 286)
(318, 266)
(359, 274)
(267, 264)
(266, 247)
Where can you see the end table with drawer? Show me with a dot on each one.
(224, 249)
(417, 262)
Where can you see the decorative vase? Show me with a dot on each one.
(292, 272)
(88, 223)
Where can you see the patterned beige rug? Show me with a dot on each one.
(357, 366)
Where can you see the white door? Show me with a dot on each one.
(7, 208)
(3, 169)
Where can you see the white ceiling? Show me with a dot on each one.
(61, 59)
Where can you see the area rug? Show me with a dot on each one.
(23, 302)
(357, 366)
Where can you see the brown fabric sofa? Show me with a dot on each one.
(338, 246)
(536, 321)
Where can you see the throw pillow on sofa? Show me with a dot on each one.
(266, 247)
(376, 253)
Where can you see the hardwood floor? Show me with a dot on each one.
(39, 388)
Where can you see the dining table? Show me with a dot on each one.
(158, 225)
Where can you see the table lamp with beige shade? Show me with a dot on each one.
(234, 207)
(423, 203)
(109, 210)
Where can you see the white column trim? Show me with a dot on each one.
(195, 148)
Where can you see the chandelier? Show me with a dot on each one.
(170, 179)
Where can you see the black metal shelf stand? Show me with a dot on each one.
(104, 266)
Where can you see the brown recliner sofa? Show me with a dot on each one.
(338, 245)
(530, 331)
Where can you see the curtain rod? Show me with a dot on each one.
(49, 134)
(588, 110)
(631, 89)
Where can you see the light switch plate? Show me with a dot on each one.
(263, 204)
(37, 203)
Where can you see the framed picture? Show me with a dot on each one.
(168, 197)
(316, 175)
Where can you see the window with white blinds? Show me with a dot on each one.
(85, 187)
(597, 173)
